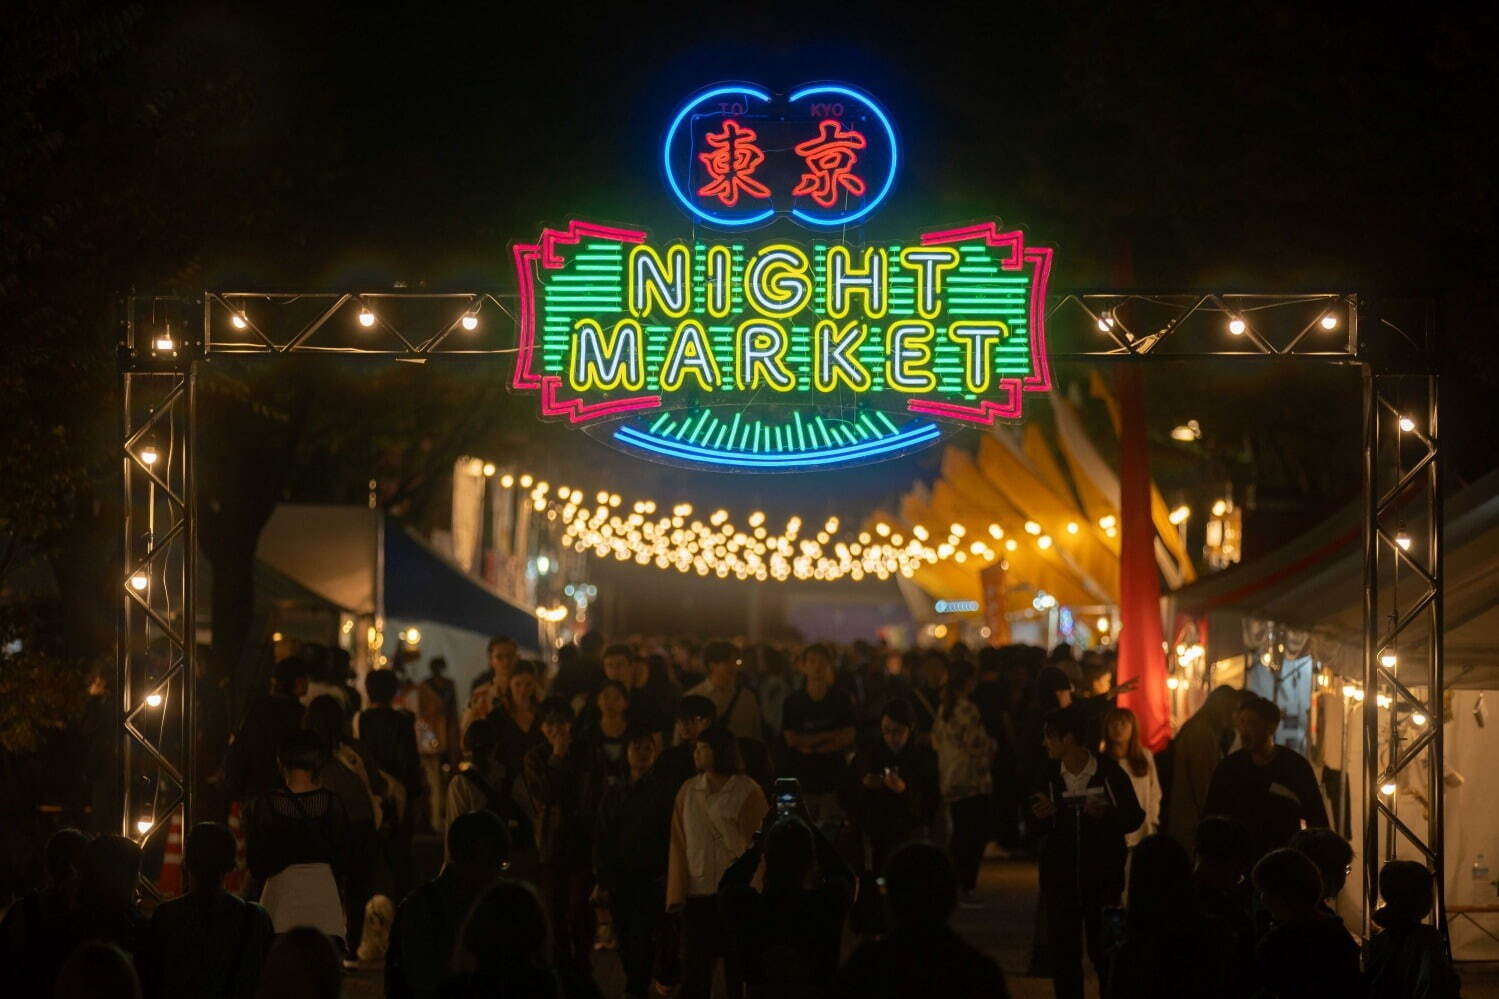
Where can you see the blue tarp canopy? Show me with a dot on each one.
(422, 586)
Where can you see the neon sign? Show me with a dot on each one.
(780, 354)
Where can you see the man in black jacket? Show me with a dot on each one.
(1085, 811)
(630, 849)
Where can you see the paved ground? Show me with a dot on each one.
(1002, 927)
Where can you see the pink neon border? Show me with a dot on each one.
(577, 411)
(550, 386)
(1012, 389)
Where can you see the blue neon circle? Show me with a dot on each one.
(831, 88)
(671, 133)
(910, 437)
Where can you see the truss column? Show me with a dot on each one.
(156, 645)
(1403, 467)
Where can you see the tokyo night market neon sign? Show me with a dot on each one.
(772, 354)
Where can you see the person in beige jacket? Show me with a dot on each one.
(714, 819)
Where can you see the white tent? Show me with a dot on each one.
(1303, 603)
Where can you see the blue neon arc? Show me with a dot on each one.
(827, 88)
(671, 133)
(923, 433)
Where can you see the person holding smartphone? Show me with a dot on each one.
(1085, 810)
(897, 786)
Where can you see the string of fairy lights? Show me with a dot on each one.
(675, 537)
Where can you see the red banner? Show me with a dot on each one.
(1140, 637)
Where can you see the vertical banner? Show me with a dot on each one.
(992, 579)
(1140, 638)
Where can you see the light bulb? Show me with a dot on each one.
(1220, 507)
(1180, 515)
(1103, 624)
(1388, 659)
(1418, 719)
(1407, 424)
(149, 454)
(1328, 322)
(1387, 788)
(1403, 540)
(469, 321)
(489, 471)
(164, 344)
(237, 320)
(1032, 528)
(153, 700)
(1043, 542)
(1173, 682)
(1072, 527)
(507, 480)
(366, 318)
(143, 826)
(1237, 326)
(1108, 522)
(138, 581)
(1105, 322)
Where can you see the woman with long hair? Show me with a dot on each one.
(1122, 742)
(965, 751)
(517, 725)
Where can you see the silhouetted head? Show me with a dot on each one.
(209, 855)
(920, 885)
(1288, 883)
(789, 855)
(1406, 888)
(97, 970)
(303, 963)
(1330, 852)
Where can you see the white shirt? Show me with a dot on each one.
(1078, 782)
(1148, 792)
(713, 830)
(745, 723)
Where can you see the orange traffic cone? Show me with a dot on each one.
(170, 882)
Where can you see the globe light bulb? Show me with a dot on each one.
(366, 318)
(469, 321)
(1237, 326)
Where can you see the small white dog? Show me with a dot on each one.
(379, 914)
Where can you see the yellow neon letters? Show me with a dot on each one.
(760, 355)
(718, 265)
(908, 356)
(928, 262)
(606, 362)
(833, 357)
(776, 282)
(649, 281)
(871, 281)
(690, 353)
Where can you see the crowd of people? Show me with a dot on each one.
(794, 822)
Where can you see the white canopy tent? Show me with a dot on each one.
(1303, 604)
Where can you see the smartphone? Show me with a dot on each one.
(788, 795)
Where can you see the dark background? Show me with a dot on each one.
(175, 147)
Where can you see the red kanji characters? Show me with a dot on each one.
(731, 161)
(830, 161)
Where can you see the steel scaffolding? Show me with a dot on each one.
(167, 339)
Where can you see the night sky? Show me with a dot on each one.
(1263, 147)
